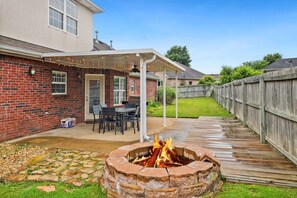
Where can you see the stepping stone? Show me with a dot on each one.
(37, 172)
(46, 188)
(84, 176)
(98, 173)
(87, 170)
(49, 178)
(33, 177)
(94, 154)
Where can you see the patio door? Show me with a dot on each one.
(94, 93)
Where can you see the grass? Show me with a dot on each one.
(28, 190)
(231, 190)
(191, 108)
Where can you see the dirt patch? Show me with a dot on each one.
(100, 146)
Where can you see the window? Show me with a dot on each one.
(190, 82)
(61, 11)
(119, 90)
(59, 83)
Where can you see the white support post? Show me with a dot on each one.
(141, 99)
(176, 96)
(164, 98)
(143, 125)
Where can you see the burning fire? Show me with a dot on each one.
(162, 155)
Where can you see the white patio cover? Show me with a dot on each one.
(121, 60)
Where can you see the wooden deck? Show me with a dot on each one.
(243, 157)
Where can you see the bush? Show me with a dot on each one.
(170, 95)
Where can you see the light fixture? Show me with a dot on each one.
(32, 71)
(78, 75)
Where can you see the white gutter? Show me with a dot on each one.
(91, 6)
(143, 129)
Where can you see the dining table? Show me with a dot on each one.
(122, 111)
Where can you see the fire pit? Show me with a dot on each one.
(185, 170)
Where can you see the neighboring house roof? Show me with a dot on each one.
(99, 45)
(282, 64)
(215, 76)
(149, 75)
(189, 73)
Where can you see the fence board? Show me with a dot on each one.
(194, 91)
(278, 106)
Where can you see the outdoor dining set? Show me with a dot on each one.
(112, 117)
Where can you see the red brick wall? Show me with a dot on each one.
(27, 105)
(151, 90)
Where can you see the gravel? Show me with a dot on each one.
(14, 156)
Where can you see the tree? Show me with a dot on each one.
(244, 72)
(170, 95)
(207, 80)
(270, 58)
(257, 65)
(179, 54)
(226, 74)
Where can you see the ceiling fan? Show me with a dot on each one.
(135, 69)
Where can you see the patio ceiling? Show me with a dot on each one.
(121, 60)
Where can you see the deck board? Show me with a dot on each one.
(243, 157)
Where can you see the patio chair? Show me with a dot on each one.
(130, 105)
(97, 112)
(134, 118)
(109, 117)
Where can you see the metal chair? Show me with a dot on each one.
(134, 118)
(109, 118)
(97, 111)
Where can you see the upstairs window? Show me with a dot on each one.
(59, 83)
(63, 14)
(119, 90)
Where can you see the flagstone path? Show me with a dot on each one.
(69, 166)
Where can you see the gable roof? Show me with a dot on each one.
(99, 45)
(189, 73)
(281, 64)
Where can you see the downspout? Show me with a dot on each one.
(164, 98)
(143, 64)
(176, 96)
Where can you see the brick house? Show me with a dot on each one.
(49, 69)
(134, 86)
(188, 77)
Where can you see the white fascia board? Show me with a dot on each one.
(148, 51)
(91, 6)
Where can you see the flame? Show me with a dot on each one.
(162, 155)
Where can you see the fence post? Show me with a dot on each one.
(229, 97)
(243, 107)
(233, 98)
(262, 111)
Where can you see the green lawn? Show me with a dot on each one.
(231, 190)
(28, 190)
(191, 108)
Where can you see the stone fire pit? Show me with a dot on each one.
(124, 179)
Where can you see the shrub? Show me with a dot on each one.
(170, 95)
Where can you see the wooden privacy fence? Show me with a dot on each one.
(268, 105)
(193, 91)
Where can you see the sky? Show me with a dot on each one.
(216, 32)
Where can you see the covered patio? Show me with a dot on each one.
(123, 61)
